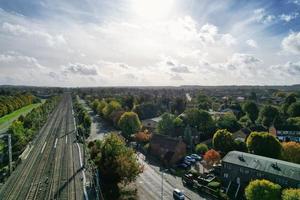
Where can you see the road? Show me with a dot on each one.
(53, 168)
(149, 182)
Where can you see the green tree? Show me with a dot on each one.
(17, 132)
(263, 144)
(188, 137)
(129, 123)
(291, 98)
(192, 117)
(206, 123)
(87, 122)
(146, 110)
(116, 163)
(204, 102)
(95, 104)
(128, 102)
(201, 148)
(240, 146)
(110, 107)
(228, 122)
(101, 105)
(166, 125)
(262, 190)
(268, 115)
(200, 119)
(178, 106)
(290, 194)
(223, 141)
(251, 110)
(294, 110)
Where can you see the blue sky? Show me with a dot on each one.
(149, 42)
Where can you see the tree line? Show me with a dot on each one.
(83, 119)
(9, 104)
(26, 127)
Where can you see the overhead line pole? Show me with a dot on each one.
(9, 150)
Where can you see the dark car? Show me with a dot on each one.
(190, 159)
(177, 194)
(196, 157)
(187, 179)
(183, 166)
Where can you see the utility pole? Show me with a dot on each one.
(9, 150)
(9, 153)
(162, 185)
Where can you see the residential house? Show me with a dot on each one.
(239, 168)
(168, 150)
(151, 124)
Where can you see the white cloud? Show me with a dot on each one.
(290, 68)
(180, 69)
(90, 47)
(19, 30)
(240, 62)
(297, 2)
(263, 17)
(14, 59)
(291, 43)
(251, 43)
(80, 69)
(176, 77)
(288, 17)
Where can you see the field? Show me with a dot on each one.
(6, 120)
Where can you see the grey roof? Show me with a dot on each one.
(264, 164)
(156, 119)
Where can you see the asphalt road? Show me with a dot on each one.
(53, 169)
(150, 182)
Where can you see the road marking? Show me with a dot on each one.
(83, 173)
(55, 143)
(66, 139)
(43, 147)
(74, 123)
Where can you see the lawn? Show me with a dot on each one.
(6, 120)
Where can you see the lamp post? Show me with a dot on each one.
(162, 183)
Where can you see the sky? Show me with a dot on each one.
(83, 43)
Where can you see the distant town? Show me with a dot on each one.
(187, 142)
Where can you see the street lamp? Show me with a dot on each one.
(162, 183)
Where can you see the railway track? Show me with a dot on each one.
(50, 171)
(14, 186)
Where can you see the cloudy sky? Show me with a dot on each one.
(149, 42)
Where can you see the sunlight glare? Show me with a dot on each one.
(152, 9)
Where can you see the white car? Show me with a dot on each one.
(177, 194)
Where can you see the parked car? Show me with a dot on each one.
(187, 179)
(196, 157)
(187, 162)
(183, 166)
(177, 194)
(190, 159)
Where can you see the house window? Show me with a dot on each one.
(225, 175)
(258, 174)
(241, 170)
